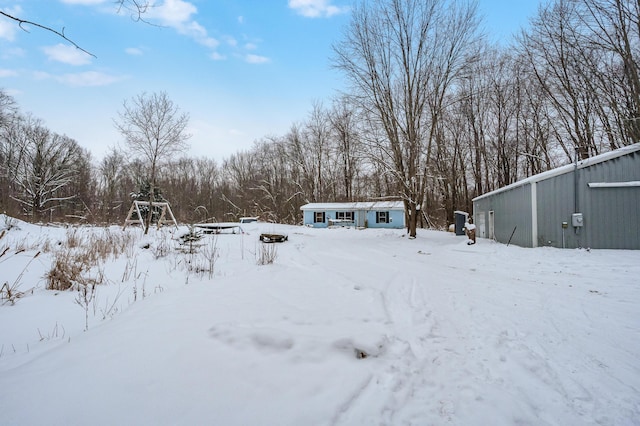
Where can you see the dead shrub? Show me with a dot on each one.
(204, 261)
(162, 248)
(80, 254)
(267, 254)
(71, 269)
(66, 271)
(74, 238)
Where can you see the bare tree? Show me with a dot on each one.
(613, 27)
(303, 165)
(154, 129)
(346, 145)
(111, 171)
(8, 152)
(555, 49)
(47, 164)
(240, 172)
(401, 57)
(8, 108)
(208, 176)
(81, 190)
(535, 122)
(317, 133)
(275, 190)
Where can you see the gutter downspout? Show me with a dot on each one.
(534, 214)
(576, 200)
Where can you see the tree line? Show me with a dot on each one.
(434, 115)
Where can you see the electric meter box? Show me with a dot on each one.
(577, 220)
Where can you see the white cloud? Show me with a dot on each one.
(67, 54)
(41, 75)
(14, 93)
(199, 34)
(256, 59)
(12, 52)
(8, 27)
(83, 2)
(81, 79)
(250, 46)
(173, 13)
(7, 73)
(217, 56)
(7, 30)
(240, 19)
(88, 79)
(177, 14)
(133, 51)
(316, 8)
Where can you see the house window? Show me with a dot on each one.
(318, 217)
(346, 216)
(382, 217)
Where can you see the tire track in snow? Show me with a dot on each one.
(405, 365)
(406, 309)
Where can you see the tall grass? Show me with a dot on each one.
(78, 261)
(10, 290)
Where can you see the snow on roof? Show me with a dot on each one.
(628, 184)
(566, 169)
(360, 205)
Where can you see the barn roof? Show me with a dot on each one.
(360, 205)
(566, 169)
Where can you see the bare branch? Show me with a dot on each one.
(61, 34)
(136, 7)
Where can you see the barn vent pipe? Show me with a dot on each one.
(576, 204)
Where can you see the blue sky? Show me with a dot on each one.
(242, 69)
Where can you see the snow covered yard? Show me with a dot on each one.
(347, 327)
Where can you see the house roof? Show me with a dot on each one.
(566, 169)
(360, 205)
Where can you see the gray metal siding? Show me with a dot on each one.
(613, 218)
(611, 215)
(512, 211)
(555, 205)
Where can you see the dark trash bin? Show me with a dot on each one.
(460, 218)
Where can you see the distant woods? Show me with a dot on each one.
(434, 115)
